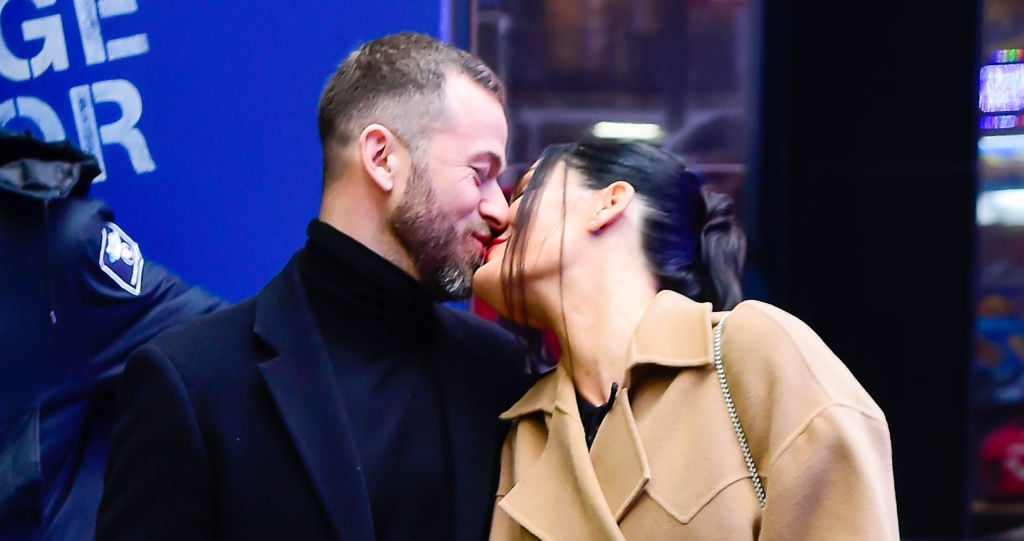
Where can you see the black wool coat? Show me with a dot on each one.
(233, 427)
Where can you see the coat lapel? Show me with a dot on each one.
(561, 496)
(304, 388)
(473, 441)
(575, 493)
(619, 459)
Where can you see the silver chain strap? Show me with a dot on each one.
(720, 368)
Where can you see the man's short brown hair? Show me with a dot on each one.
(398, 81)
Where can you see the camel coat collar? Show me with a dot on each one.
(608, 478)
(656, 340)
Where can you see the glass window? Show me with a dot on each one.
(675, 73)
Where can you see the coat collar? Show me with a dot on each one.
(572, 492)
(661, 338)
(664, 335)
(303, 385)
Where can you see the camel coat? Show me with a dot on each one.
(666, 463)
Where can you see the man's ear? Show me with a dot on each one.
(382, 155)
(611, 201)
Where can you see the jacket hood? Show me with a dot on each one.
(38, 169)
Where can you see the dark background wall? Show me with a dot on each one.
(866, 177)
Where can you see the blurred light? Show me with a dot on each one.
(1001, 207)
(1003, 56)
(1001, 88)
(995, 143)
(642, 131)
(1001, 122)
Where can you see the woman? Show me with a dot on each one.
(614, 249)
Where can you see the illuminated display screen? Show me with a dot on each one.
(1002, 88)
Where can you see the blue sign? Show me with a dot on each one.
(202, 114)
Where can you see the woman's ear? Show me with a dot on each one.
(381, 153)
(611, 201)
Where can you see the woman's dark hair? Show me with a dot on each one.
(690, 236)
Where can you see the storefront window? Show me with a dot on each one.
(997, 437)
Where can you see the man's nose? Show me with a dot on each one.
(494, 208)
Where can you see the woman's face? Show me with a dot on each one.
(543, 253)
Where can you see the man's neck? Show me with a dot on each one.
(348, 206)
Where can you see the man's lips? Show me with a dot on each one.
(483, 240)
(494, 244)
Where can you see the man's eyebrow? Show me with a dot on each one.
(495, 163)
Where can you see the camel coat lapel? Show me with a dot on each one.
(571, 492)
(619, 458)
(561, 497)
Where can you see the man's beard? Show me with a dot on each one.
(435, 245)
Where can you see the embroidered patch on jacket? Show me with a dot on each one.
(121, 258)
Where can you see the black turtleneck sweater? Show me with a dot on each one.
(380, 330)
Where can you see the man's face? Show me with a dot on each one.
(452, 205)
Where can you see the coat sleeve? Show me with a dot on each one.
(127, 299)
(158, 478)
(834, 480)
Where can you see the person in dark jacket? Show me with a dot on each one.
(345, 400)
(77, 297)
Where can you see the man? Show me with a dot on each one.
(78, 297)
(344, 401)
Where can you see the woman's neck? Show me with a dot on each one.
(601, 313)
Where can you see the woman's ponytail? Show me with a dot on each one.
(724, 247)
